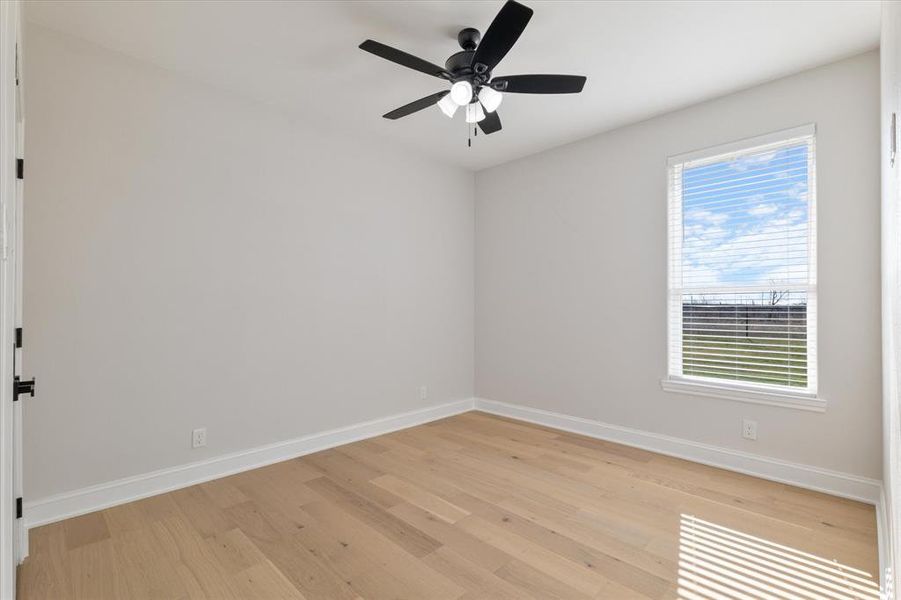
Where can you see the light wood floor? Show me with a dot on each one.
(473, 506)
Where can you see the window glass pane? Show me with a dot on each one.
(745, 220)
(760, 338)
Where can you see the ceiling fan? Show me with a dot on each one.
(470, 71)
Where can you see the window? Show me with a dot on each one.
(742, 271)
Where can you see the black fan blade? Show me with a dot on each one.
(415, 106)
(501, 35)
(402, 58)
(539, 84)
(490, 123)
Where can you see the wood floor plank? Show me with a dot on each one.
(85, 529)
(145, 559)
(205, 516)
(401, 533)
(252, 520)
(580, 575)
(235, 551)
(469, 507)
(374, 566)
(90, 573)
(223, 492)
(612, 567)
(196, 557)
(422, 498)
(352, 474)
(307, 572)
(263, 581)
(537, 583)
(584, 531)
(48, 576)
(478, 581)
(452, 537)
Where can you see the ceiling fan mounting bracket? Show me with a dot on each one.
(469, 38)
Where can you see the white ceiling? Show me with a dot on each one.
(641, 58)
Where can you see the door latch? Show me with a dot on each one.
(22, 387)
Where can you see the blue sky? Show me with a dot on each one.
(745, 220)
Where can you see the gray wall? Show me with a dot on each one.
(193, 259)
(571, 273)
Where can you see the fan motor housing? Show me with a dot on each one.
(460, 64)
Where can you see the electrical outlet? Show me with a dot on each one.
(423, 392)
(749, 429)
(198, 437)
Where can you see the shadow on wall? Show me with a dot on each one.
(718, 562)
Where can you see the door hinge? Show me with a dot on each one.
(18, 337)
(19, 507)
(20, 168)
(22, 387)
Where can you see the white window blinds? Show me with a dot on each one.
(742, 264)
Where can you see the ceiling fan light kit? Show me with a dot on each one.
(470, 71)
(461, 93)
(474, 113)
(490, 98)
(448, 106)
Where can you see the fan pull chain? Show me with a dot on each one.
(471, 133)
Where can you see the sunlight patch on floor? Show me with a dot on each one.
(717, 562)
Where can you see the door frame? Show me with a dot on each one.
(11, 531)
(15, 243)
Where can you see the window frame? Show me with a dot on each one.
(769, 394)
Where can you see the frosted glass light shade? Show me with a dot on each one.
(490, 98)
(447, 106)
(461, 93)
(474, 113)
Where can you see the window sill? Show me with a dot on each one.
(797, 400)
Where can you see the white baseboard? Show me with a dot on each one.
(97, 497)
(805, 476)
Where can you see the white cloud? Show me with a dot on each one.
(753, 161)
(706, 216)
(762, 209)
(798, 191)
(771, 251)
